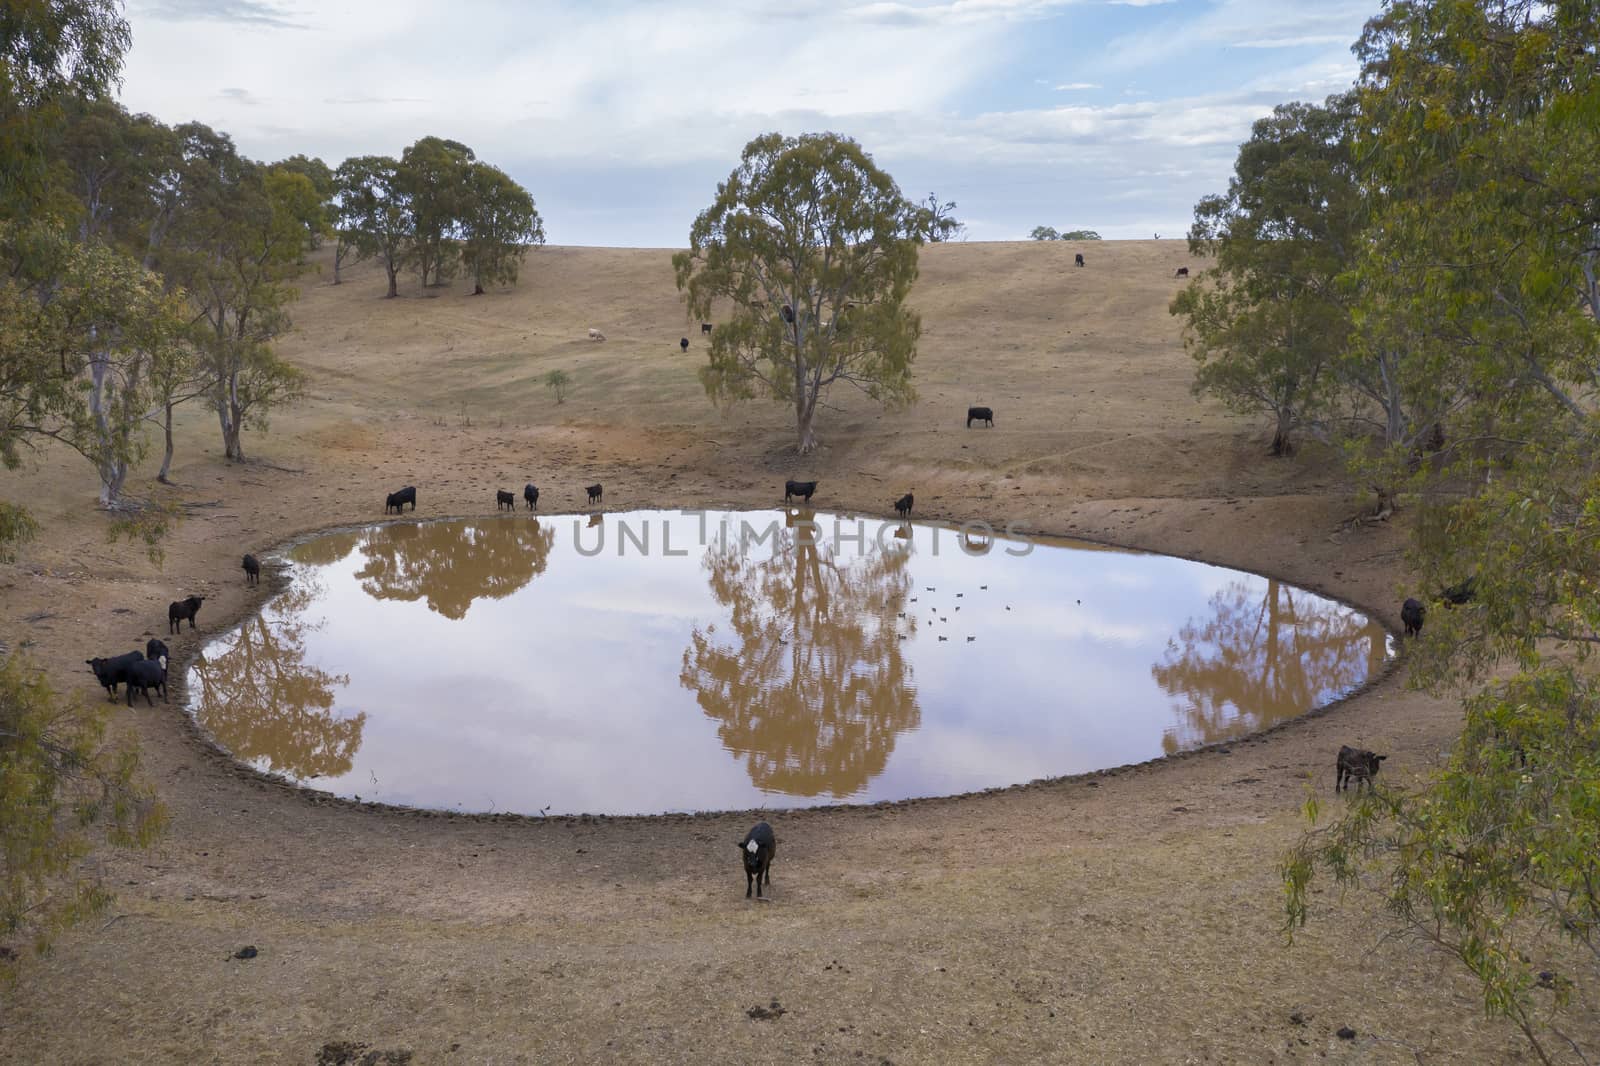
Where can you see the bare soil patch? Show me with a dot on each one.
(1133, 916)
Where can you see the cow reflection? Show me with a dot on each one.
(1264, 655)
(811, 686)
(266, 705)
(449, 565)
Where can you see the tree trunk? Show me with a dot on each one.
(112, 467)
(166, 459)
(807, 413)
(1281, 444)
(394, 289)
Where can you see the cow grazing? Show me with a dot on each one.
(505, 499)
(757, 849)
(398, 500)
(902, 506)
(1412, 613)
(187, 607)
(252, 571)
(594, 492)
(683, 342)
(1355, 765)
(980, 414)
(113, 672)
(147, 674)
(705, 327)
(1078, 259)
(530, 493)
(1465, 592)
(596, 335)
(802, 489)
(1183, 272)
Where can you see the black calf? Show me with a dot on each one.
(594, 492)
(252, 571)
(398, 500)
(531, 494)
(980, 414)
(1412, 612)
(802, 489)
(1078, 259)
(147, 674)
(502, 498)
(757, 849)
(113, 672)
(1183, 272)
(1355, 764)
(683, 342)
(185, 608)
(902, 506)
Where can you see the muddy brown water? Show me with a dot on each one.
(648, 662)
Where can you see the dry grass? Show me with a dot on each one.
(1128, 918)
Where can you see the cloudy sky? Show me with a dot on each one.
(620, 116)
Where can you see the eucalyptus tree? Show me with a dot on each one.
(235, 248)
(434, 173)
(1270, 319)
(374, 213)
(499, 223)
(317, 215)
(813, 250)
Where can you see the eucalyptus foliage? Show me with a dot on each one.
(63, 791)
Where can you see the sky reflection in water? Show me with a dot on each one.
(650, 663)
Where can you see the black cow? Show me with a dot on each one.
(505, 499)
(902, 506)
(802, 489)
(1412, 613)
(594, 492)
(705, 327)
(757, 849)
(154, 649)
(147, 674)
(252, 571)
(1465, 592)
(788, 314)
(1356, 765)
(683, 342)
(112, 672)
(398, 500)
(1078, 259)
(980, 414)
(1183, 272)
(184, 608)
(530, 493)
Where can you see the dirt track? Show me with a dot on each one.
(1130, 917)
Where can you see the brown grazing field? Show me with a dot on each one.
(1129, 917)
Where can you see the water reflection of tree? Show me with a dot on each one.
(450, 564)
(1263, 655)
(325, 550)
(262, 701)
(813, 688)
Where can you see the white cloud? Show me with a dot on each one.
(1074, 86)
